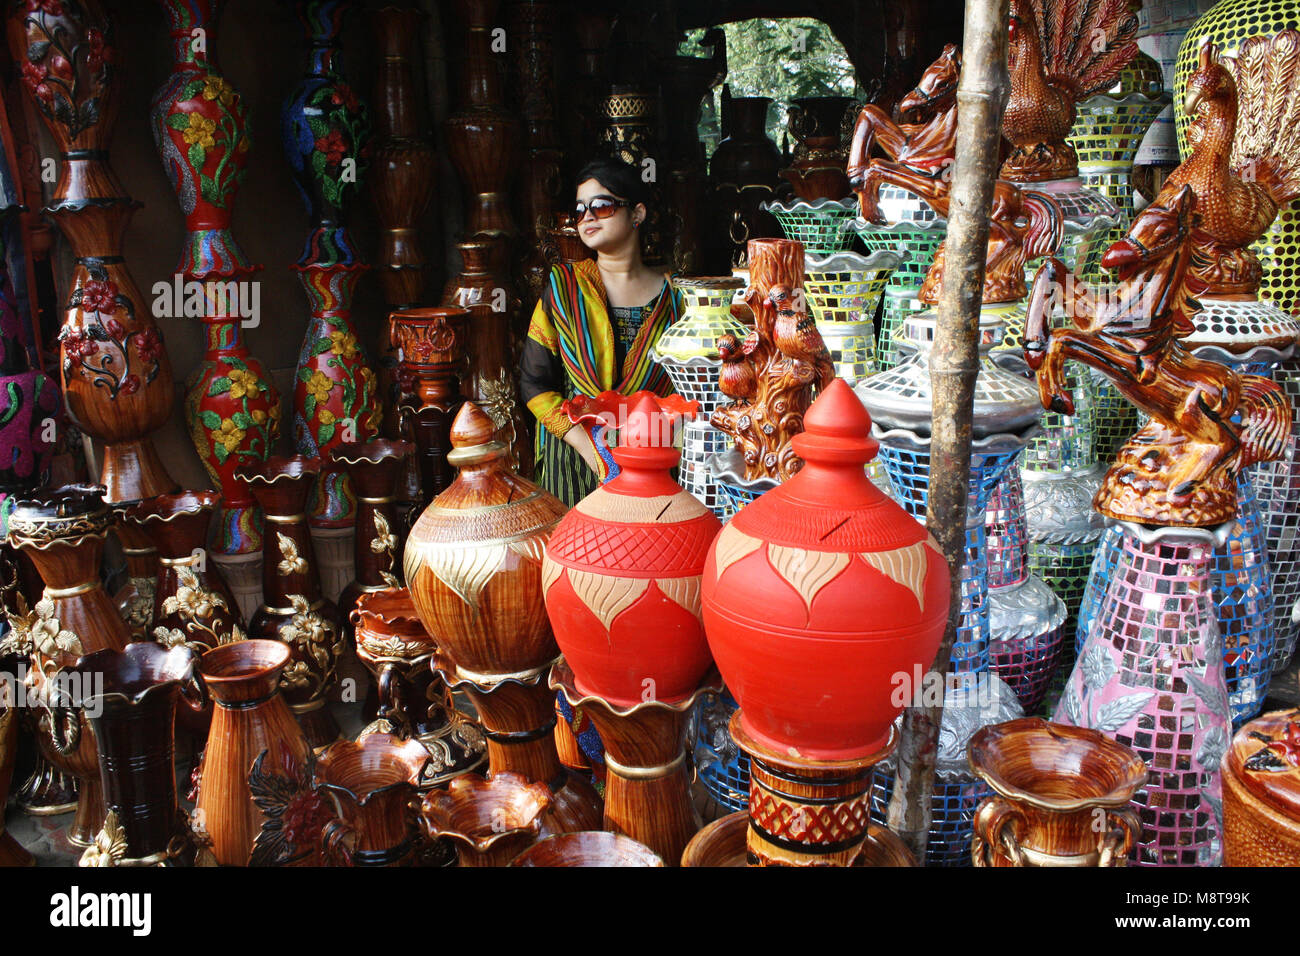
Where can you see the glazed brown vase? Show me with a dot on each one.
(116, 378)
(374, 468)
(11, 851)
(134, 696)
(490, 819)
(250, 720)
(484, 139)
(63, 533)
(430, 346)
(1053, 785)
(371, 787)
(413, 700)
(473, 566)
(293, 609)
(1261, 793)
(193, 605)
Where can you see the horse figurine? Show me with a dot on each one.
(924, 140)
(1207, 422)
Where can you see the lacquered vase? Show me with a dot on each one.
(116, 378)
(374, 468)
(135, 702)
(413, 701)
(484, 138)
(293, 608)
(250, 721)
(371, 787)
(63, 532)
(625, 607)
(11, 851)
(1063, 796)
(326, 130)
(473, 564)
(430, 345)
(1150, 675)
(782, 599)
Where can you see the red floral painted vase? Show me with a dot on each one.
(819, 593)
(622, 570)
(200, 127)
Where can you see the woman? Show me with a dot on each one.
(594, 326)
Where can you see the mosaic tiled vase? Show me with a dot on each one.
(1150, 676)
(916, 233)
(688, 352)
(1277, 484)
(819, 225)
(843, 291)
(1228, 24)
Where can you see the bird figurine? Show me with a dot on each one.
(736, 378)
(795, 334)
(1061, 51)
(1244, 159)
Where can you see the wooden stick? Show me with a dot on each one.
(954, 366)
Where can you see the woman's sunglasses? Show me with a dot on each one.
(602, 207)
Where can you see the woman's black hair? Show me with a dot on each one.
(621, 179)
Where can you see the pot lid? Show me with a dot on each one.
(1265, 759)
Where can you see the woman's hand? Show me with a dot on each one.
(578, 438)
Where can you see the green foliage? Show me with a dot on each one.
(783, 59)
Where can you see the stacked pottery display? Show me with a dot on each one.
(63, 532)
(1063, 796)
(133, 695)
(690, 351)
(116, 377)
(782, 600)
(200, 127)
(621, 576)
(413, 702)
(293, 608)
(253, 733)
(336, 399)
(473, 564)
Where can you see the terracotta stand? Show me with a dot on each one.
(647, 782)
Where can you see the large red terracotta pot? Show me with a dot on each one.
(622, 569)
(819, 592)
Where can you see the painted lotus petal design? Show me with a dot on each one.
(466, 570)
(1212, 748)
(906, 566)
(1098, 667)
(806, 571)
(682, 591)
(732, 545)
(605, 596)
(1114, 714)
(551, 572)
(533, 548)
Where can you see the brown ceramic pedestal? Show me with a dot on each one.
(806, 812)
(723, 843)
(413, 701)
(647, 781)
(518, 716)
(11, 853)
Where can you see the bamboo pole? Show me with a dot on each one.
(954, 365)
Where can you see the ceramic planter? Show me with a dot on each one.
(624, 604)
(1063, 796)
(491, 820)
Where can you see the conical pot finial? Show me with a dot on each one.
(837, 428)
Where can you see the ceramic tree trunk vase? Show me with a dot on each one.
(473, 563)
(135, 702)
(115, 374)
(326, 131)
(1062, 796)
(63, 532)
(294, 610)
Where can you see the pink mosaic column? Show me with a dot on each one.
(1150, 675)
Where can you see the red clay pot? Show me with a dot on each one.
(622, 569)
(819, 592)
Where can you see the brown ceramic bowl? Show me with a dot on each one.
(722, 843)
(588, 848)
